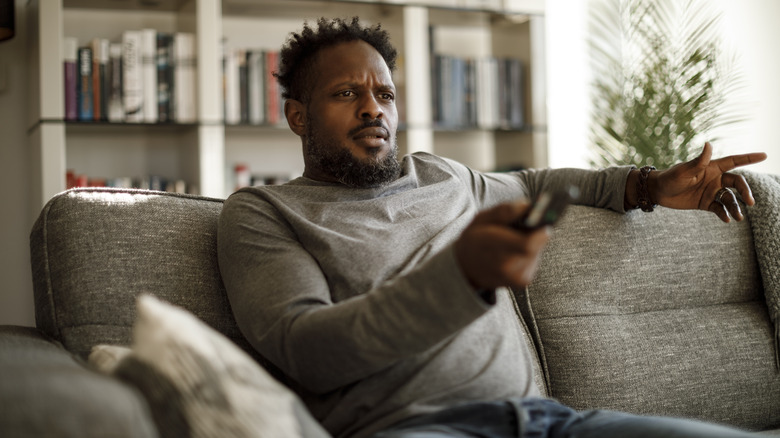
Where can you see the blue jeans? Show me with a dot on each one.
(539, 417)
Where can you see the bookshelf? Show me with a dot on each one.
(205, 152)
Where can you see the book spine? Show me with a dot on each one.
(243, 89)
(493, 94)
(149, 73)
(96, 55)
(116, 110)
(184, 83)
(232, 103)
(517, 117)
(104, 66)
(272, 87)
(132, 78)
(164, 77)
(100, 91)
(70, 67)
(85, 109)
(471, 92)
(256, 87)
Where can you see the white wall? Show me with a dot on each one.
(16, 299)
(749, 28)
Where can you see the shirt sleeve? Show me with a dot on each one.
(602, 188)
(282, 303)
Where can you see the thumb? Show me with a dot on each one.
(703, 160)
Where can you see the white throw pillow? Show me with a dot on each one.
(198, 383)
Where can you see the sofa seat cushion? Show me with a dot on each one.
(655, 313)
(45, 391)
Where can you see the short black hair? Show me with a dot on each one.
(298, 53)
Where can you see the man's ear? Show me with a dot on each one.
(295, 112)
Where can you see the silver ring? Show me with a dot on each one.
(720, 193)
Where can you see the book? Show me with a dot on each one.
(84, 95)
(487, 93)
(70, 47)
(515, 93)
(132, 78)
(243, 91)
(149, 74)
(273, 91)
(256, 86)
(164, 62)
(100, 78)
(184, 81)
(116, 110)
(232, 88)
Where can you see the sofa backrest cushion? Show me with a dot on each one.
(655, 313)
(94, 250)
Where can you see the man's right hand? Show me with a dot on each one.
(493, 254)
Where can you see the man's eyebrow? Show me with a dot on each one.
(356, 84)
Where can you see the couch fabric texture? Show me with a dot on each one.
(46, 391)
(660, 313)
(664, 317)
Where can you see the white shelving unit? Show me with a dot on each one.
(205, 152)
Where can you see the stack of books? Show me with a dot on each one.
(147, 77)
(484, 93)
(252, 94)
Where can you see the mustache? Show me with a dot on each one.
(375, 123)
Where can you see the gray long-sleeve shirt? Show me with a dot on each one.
(356, 296)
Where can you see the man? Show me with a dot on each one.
(378, 288)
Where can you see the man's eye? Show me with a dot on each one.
(346, 93)
(388, 96)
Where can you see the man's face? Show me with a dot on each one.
(351, 118)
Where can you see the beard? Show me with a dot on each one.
(338, 162)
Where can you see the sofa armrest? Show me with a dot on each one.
(47, 391)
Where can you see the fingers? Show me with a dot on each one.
(725, 204)
(738, 182)
(726, 164)
(731, 162)
(492, 254)
(720, 211)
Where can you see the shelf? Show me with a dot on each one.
(138, 5)
(205, 152)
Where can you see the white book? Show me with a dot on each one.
(185, 106)
(132, 78)
(149, 60)
(487, 93)
(256, 61)
(232, 88)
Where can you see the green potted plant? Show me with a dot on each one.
(660, 80)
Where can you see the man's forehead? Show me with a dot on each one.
(351, 61)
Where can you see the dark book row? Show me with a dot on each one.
(485, 93)
(147, 77)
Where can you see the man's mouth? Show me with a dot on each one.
(372, 133)
(372, 137)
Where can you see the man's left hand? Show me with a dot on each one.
(698, 184)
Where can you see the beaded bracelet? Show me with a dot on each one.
(645, 203)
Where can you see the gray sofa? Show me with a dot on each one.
(661, 313)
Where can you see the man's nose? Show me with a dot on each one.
(370, 108)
